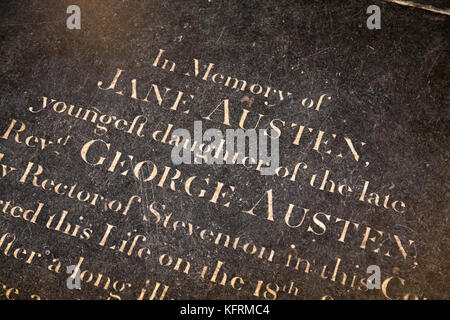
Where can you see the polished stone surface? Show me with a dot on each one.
(389, 88)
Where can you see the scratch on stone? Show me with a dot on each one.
(421, 6)
(220, 36)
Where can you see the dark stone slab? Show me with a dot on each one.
(389, 88)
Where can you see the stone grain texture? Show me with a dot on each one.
(389, 88)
